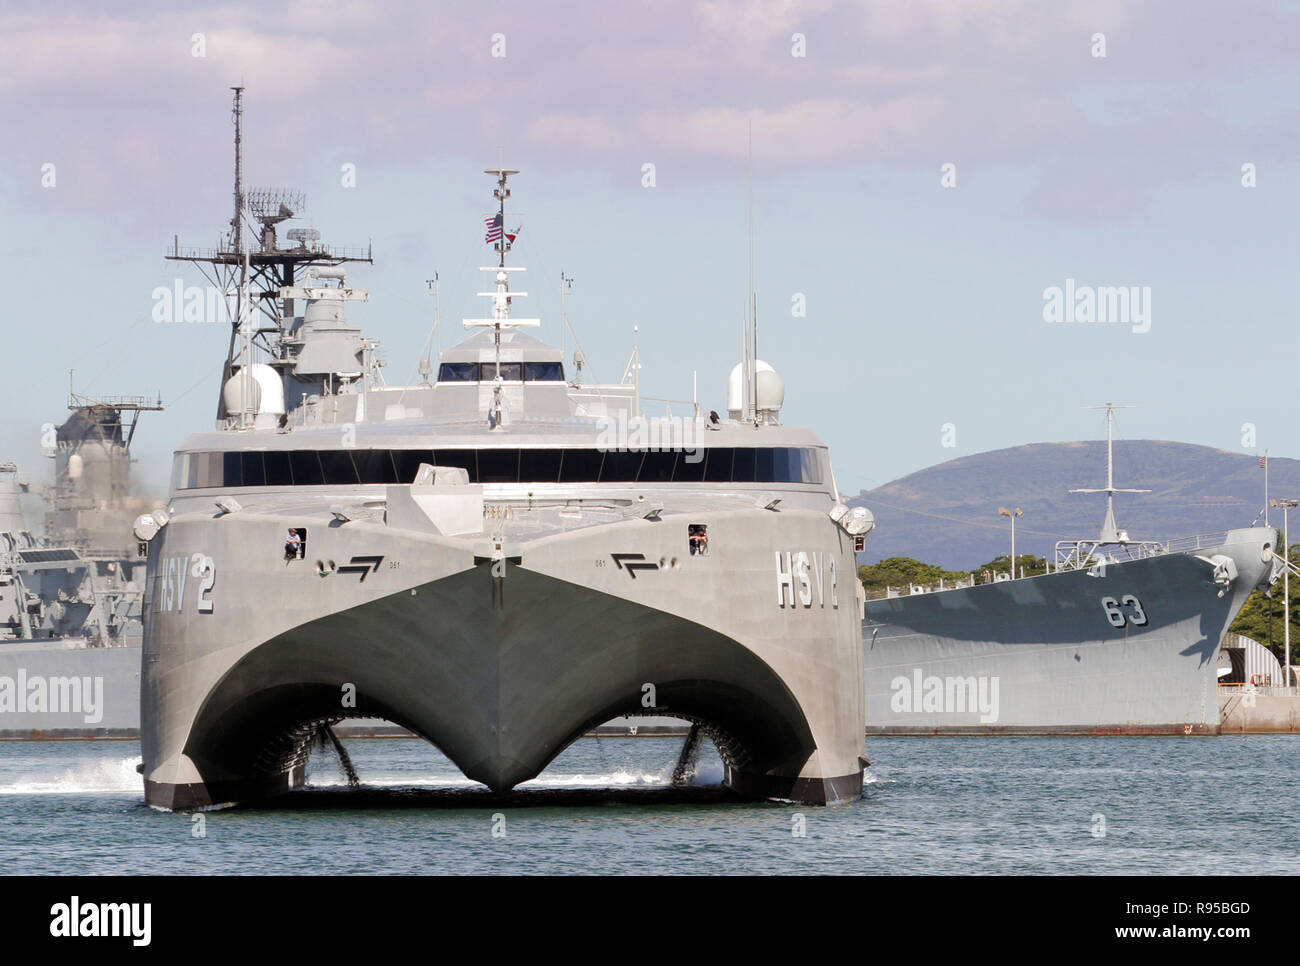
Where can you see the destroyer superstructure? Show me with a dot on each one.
(1120, 638)
(70, 600)
(497, 561)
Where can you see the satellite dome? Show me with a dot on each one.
(736, 383)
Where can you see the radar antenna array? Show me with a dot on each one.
(264, 273)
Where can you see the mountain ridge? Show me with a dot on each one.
(947, 514)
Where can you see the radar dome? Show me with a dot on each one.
(264, 388)
(736, 385)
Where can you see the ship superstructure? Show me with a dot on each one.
(497, 560)
(71, 599)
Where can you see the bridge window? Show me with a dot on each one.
(374, 465)
(657, 467)
(510, 371)
(458, 372)
(305, 464)
(498, 466)
(338, 467)
(581, 465)
(278, 472)
(350, 467)
(543, 372)
(539, 465)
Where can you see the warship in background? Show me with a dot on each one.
(70, 601)
(1121, 637)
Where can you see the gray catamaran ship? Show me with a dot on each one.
(1121, 638)
(497, 561)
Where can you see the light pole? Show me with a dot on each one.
(1004, 512)
(1286, 505)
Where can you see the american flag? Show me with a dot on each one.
(493, 228)
(1263, 462)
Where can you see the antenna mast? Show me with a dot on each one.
(750, 413)
(236, 223)
(1110, 533)
(259, 277)
(501, 296)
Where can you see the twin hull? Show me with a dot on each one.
(499, 662)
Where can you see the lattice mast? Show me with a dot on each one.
(253, 278)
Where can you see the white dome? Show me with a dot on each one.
(770, 391)
(264, 387)
(736, 385)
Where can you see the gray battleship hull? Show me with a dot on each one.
(1043, 655)
(64, 689)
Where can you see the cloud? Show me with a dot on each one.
(118, 93)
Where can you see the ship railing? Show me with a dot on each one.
(323, 252)
(911, 590)
(1084, 554)
(1261, 690)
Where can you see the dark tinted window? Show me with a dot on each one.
(374, 465)
(337, 466)
(510, 371)
(498, 466)
(742, 469)
(306, 468)
(543, 372)
(539, 465)
(231, 473)
(657, 467)
(348, 467)
(581, 465)
(277, 469)
(620, 467)
(458, 372)
(254, 470)
(687, 471)
(464, 458)
(717, 465)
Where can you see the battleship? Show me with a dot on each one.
(497, 559)
(71, 601)
(1121, 637)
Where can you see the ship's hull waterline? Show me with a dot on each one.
(500, 663)
(60, 689)
(1044, 655)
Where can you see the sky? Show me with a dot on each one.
(925, 175)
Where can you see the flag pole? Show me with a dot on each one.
(1265, 487)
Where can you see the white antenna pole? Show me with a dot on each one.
(751, 336)
(636, 369)
(245, 349)
(1265, 487)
